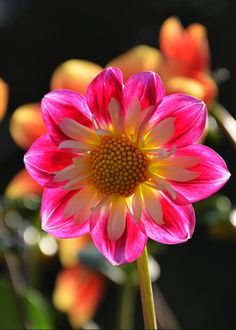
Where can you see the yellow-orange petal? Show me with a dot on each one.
(87, 301)
(198, 34)
(209, 85)
(77, 292)
(137, 59)
(26, 124)
(75, 75)
(65, 289)
(69, 249)
(22, 185)
(3, 98)
(171, 37)
(188, 46)
(181, 84)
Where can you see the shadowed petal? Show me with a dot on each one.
(178, 222)
(107, 85)
(147, 87)
(53, 221)
(44, 159)
(125, 249)
(61, 104)
(212, 170)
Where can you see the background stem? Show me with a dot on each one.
(225, 120)
(127, 305)
(16, 283)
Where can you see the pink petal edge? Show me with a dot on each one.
(52, 210)
(147, 87)
(213, 173)
(107, 85)
(43, 159)
(178, 222)
(60, 104)
(190, 118)
(124, 250)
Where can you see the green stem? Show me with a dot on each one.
(225, 120)
(145, 284)
(127, 304)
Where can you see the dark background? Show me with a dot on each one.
(198, 278)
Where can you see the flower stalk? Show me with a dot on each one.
(225, 120)
(145, 284)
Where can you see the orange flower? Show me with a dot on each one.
(183, 62)
(187, 47)
(137, 59)
(78, 289)
(3, 98)
(26, 123)
(187, 60)
(78, 292)
(75, 75)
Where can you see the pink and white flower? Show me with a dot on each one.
(122, 164)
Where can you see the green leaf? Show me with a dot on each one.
(9, 315)
(36, 309)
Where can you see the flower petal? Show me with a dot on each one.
(132, 119)
(75, 146)
(190, 114)
(127, 248)
(107, 85)
(213, 173)
(61, 104)
(147, 87)
(80, 201)
(161, 133)
(178, 222)
(78, 132)
(44, 159)
(116, 219)
(137, 204)
(26, 124)
(152, 204)
(177, 173)
(53, 221)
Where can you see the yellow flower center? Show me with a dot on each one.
(117, 166)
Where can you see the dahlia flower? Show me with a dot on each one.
(121, 163)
